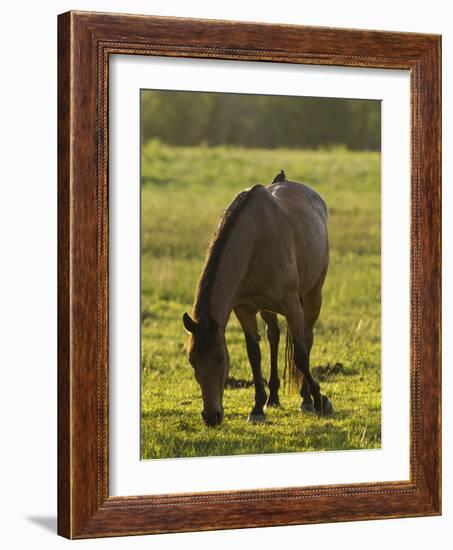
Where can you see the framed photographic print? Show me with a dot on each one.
(249, 275)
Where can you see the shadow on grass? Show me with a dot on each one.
(236, 436)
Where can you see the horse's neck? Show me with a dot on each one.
(232, 269)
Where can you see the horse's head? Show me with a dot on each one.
(209, 358)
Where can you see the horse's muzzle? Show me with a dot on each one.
(212, 419)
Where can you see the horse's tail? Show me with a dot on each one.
(292, 376)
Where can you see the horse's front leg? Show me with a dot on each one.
(247, 319)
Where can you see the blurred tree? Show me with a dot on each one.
(191, 118)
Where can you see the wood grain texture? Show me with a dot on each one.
(86, 40)
(64, 390)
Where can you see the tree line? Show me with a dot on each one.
(194, 118)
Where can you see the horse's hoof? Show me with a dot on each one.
(307, 408)
(259, 418)
(272, 403)
(327, 407)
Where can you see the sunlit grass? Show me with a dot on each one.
(184, 192)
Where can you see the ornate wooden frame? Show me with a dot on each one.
(85, 42)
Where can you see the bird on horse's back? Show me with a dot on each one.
(269, 254)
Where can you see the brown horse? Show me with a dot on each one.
(269, 254)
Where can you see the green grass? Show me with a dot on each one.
(184, 191)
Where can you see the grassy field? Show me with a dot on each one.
(184, 191)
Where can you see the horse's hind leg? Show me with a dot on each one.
(247, 319)
(312, 307)
(273, 336)
(307, 400)
(295, 317)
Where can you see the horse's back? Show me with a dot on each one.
(298, 199)
(307, 213)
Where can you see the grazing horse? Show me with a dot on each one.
(270, 255)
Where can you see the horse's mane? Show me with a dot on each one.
(216, 246)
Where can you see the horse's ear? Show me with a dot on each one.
(189, 324)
